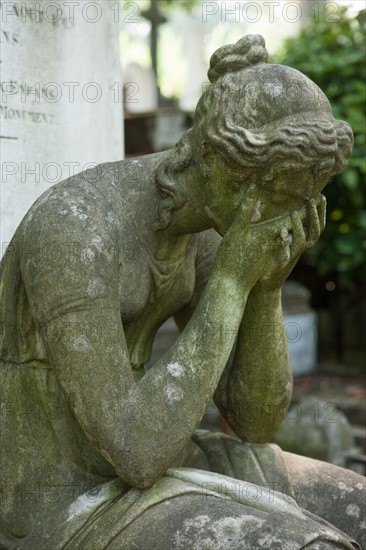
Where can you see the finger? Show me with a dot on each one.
(244, 216)
(314, 224)
(298, 235)
(322, 207)
(284, 234)
(284, 254)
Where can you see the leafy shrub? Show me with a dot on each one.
(333, 56)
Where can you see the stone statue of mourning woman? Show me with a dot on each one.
(99, 453)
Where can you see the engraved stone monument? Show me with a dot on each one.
(60, 77)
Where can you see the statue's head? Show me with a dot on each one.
(262, 123)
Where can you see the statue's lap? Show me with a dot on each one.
(209, 494)
(194, 508)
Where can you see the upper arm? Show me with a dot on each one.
(207, 248)
(72, 287)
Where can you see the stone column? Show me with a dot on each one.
(301, 327)
(61, 97)
(197, 70)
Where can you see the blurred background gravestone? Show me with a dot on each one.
(301, 327)
(60, 110)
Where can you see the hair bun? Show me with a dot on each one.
(249, 50)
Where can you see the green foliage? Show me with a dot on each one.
(332, 55)
(185, 4)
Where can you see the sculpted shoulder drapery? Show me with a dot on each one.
(97, 452)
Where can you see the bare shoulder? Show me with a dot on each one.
(68, 250)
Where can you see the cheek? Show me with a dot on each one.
(224, 198)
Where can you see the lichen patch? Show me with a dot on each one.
(343, 487)
(353, 510)
(87, 255)
(82, 505)
(81, 344)
(175, 369)
(173, 393)
(78, 213)
(204, 533)
(97, 241)
(96, 288)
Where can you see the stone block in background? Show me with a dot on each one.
(154, 131)
(301, 327)
(317, 429)
(59, 114)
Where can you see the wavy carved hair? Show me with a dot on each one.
(255, 130)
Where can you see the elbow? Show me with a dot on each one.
(138, 461)
(139, 478)
(139, 472)
(144, 482)
(259, 437)
(254, 430)
(258, 423)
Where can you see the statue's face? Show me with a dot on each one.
(292, 190)
(287, 192)
(271, 97)
(224, 188)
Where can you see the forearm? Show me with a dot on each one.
(256, 389)
(165, 407)
(141, 428)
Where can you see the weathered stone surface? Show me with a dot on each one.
(331, 492)
(317, 429)
(60, 78)
(100, 262)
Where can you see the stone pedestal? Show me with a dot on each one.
(61, 104)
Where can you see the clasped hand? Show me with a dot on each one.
(264, 254)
